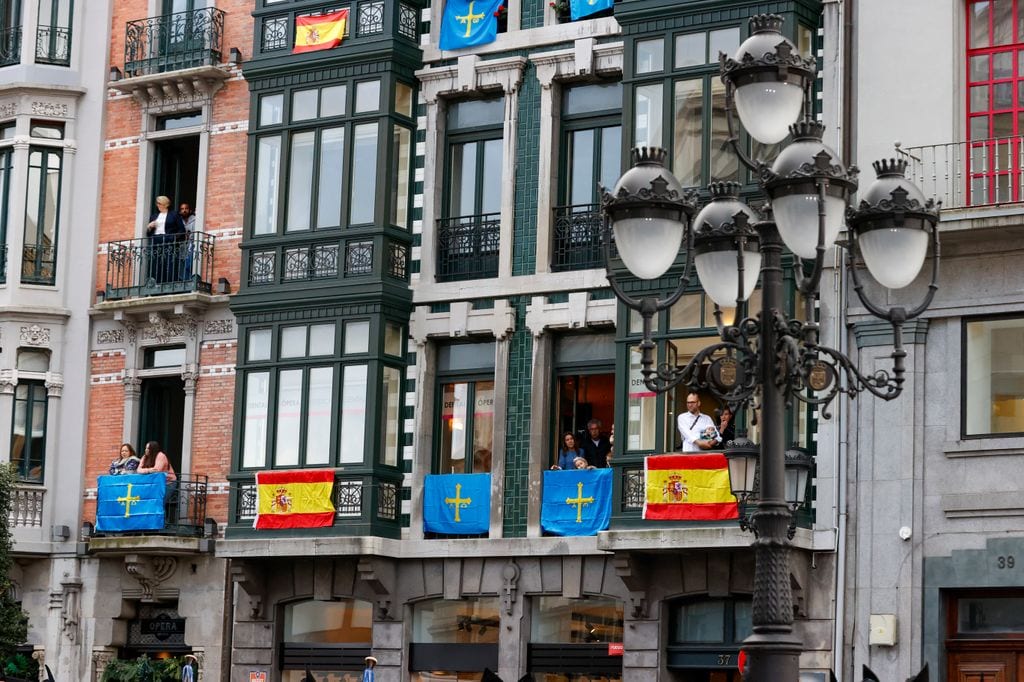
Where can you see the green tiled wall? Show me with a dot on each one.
(524, 245)
(517, 438)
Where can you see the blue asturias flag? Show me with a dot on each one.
(130, 502)
(576, 502)
(467, 23)
(584, 8)
(457, 504)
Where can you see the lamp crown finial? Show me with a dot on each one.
(724, 190)
(766, 23)
(888, 168)
(807, 130)
(648, 155)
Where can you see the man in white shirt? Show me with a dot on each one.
(693, 426)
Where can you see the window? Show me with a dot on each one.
(473, 620)
(340, 631)
(53, 33)
(10, 32)
(995, 99)
(28, 431)
(718, 621)
(42, 210)
(993, 377)
(172, 356)
(6, 166)
(466, 415)
(576, 621)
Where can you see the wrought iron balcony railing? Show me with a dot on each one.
(576, 238)
(354, 499)
(10, 45)
(171, 42)
(26, 507)
(467, 247)
(165, 264)
(38, 264)
(965, 174)
(53, 45)
(184, 509)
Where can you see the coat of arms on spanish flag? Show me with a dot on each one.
(688, 488)
(320, 31)
(294, 499)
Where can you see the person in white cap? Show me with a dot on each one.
(371, 663)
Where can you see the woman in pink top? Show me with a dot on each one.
(154, 460)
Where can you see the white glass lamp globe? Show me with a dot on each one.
(718, 274)
(648, 246)
(894, 255)
(767, 109)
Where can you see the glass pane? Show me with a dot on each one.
(39, 360)
(400, 176)
(1002, 64)
(268, 164)
(289, 417)
(575, 621)
(390, 411)
(304, 104)
(685, 314)
(724, 163)
(293, 342)
(271, 109)
(353, 414)
(259, 345)
(332, 170)
(477, 112)
(743, 625)
(725, 40)
(463, 175)
(319, 412)
(804, 41)
(453, 428)
(332, 101)
(688, 131)
(690, 50)
(490, 194)
(581, 172)
(987, 615)
(648, 116)
(321, 339)
(367, 96)
(979, 127)
(472, 620)
(1002, 95)
(1002, 125)
(650, 55)
(254, 438)
(611, 155)
(979, 16)
(979, 68)
(357, 336)
(51, 208)
(994, 377)
(349, 621)
(300, 182)
(979, 98)
(640, 410)
(364, 182)
(583, 99)
(703, 622)
(483, 426)
(403, 99)
(1002, 22)
(393, 339)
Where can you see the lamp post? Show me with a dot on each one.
(768, 360)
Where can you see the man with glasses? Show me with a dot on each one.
(697, 429)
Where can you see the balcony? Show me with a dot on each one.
(53, 45)
(969, 174)
(155, 266)
(467, 247)
(10, 45)
(26, 507)
(576, 238)
(173, 42)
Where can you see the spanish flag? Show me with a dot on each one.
(294, 499)
(320, 31)
(688, 488)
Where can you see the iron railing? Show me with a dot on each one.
(173, 41)
(53, 45)
(39, 263)
(26, 507)
(576, 239)
(164, 264)
(10, 45)
(352, 499)
(965, 174)
(184, 509)
(467, 247)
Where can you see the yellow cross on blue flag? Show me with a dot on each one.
(457, 504)
(467, 23)
(130, 502)
(576, 501)
(584, 8)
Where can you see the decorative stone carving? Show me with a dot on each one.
(8, 380)
(71, 589)
(54, 384)
(150, 571)
(34, 335)
(161, 329)
(219, 327)
(8, 109)
(39, 656)
(190, 376)
(191, 325)
(130, 330)
(510, 582)
(379, 574)
(101, 658)
(132, 387)
(110, 336)
(50, 109)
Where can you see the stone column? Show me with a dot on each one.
(8, 382)
(514, 624)
(508, 170)
(540, 425)
(433, 184)
(132, 405)
(547, 161)
(17, 196)
(426, 367)
(191, 377)
(500, 428)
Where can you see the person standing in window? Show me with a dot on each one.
(165, 230)
(189, 218)
(126, 463)
(568, 453)
(596, 445)
(696, 428)
(726, 427)
(153, 461)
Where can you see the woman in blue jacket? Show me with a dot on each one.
(166, 232)
(567, 453)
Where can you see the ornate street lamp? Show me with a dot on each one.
(767, 359)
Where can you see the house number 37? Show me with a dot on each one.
(1005, 562)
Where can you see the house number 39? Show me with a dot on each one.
(1004, 562)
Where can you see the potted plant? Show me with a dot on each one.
(502, 14)
(562, 11)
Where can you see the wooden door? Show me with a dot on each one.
(982, 667)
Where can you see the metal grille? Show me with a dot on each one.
(262, 266)
(387, 501)
(275, 34)
(173, 41)
(53, 45)
(467, 247)
(348, 498)
(975, 173)
(310, 262)
(26, 508)
(10, 45)
(398, 257)
(358, 258)
(164, 264)
(245, 502)
(38, 264)
(577, 238)
(371, 18)
(632, 489)
(408, 22)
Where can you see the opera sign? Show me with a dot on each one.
(163, 627)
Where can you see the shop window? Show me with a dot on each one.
(705, 637)
(572, 639)
(454, 639)
(329, 638)
(993, 377)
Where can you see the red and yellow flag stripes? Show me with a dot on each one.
(294, 499)
(320, 32)
(688, 488)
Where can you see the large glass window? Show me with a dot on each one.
(575, 621)
(993, 376)
(456, 621)
(10, 32)
(42, 215)
(28, 431)
(6, 166)
(341, 632)
(467, 427)
(53, 33)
